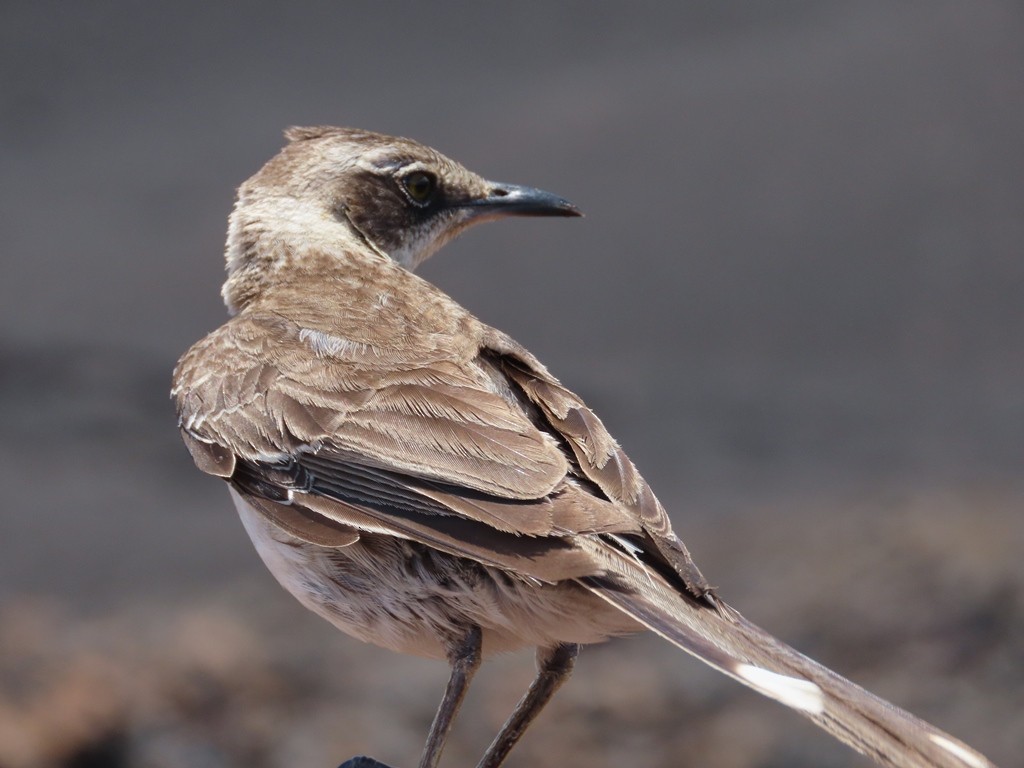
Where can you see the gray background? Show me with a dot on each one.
(795, 299)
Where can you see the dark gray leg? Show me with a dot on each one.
(554, 665)
(465, 659)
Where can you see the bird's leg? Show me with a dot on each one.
(554, 666)
(464, 657)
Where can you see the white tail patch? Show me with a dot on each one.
(969, 756)
(791, 691)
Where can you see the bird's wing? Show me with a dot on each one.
(598, 457)
(258, 405)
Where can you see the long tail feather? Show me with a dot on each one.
(723, 639)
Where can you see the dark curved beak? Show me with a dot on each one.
(515, 200)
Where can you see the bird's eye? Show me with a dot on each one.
(420, 186)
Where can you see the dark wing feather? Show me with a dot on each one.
(543, 559)
(598, 456)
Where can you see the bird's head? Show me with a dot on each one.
(332, 190)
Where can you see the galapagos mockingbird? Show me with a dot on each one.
(422, 481)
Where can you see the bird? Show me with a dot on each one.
(420, 480)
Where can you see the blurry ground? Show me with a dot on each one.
(240, 675)
(796, 300)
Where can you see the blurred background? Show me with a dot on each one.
(796, 300)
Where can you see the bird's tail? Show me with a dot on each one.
(720, 637)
